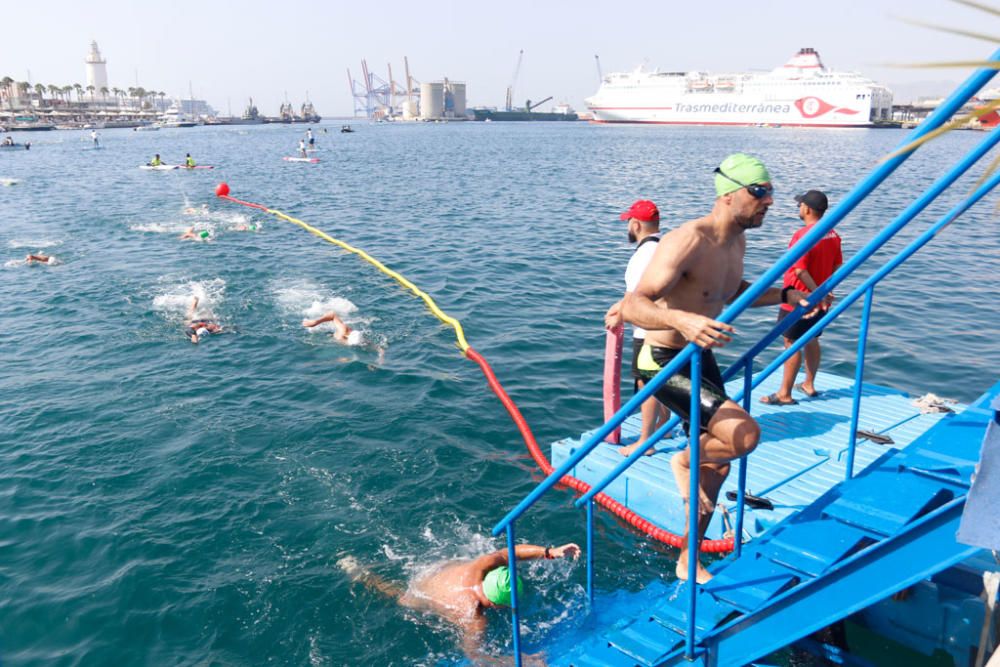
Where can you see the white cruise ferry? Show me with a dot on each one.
(802, 92)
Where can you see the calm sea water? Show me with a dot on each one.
(164, 503)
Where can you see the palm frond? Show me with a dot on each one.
(993, 39)
(978, 5)
(981, 64)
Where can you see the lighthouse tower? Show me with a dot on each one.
(97, 68)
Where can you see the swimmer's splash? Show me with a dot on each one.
(616, 508)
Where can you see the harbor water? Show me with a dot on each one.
(163, 503)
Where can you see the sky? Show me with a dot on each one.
(228, 51)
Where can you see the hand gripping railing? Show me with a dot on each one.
(942, 114)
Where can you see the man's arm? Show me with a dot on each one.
(193, 308)
(525, 552)
(773, 296)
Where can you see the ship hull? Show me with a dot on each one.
(663, 108)
(485, 114)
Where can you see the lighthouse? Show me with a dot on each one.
(97, 68)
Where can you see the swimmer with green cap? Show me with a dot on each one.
(696, 270)
(460, 591)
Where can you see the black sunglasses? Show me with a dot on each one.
(756, 191)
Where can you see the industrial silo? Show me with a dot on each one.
(458, 95)
(431, 100)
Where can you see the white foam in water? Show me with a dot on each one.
(9, 181)
(175, 299)
(34, 243)
(161, 227)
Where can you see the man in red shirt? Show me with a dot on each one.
(812, 269)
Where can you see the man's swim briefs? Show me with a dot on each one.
(676, 392)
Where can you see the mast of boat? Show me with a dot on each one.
(600, 74)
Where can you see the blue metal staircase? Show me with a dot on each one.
(864, 540)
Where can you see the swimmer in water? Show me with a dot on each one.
(196, 328)
(191, 235)
(196, 210)
(342, 333)
(460, 591)
(41, 259)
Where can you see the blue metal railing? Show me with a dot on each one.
(941, 115)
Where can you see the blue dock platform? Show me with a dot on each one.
(846, 552)
(802, 454)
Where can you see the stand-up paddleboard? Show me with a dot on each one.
(200, 166)
(311, 150)
(300, 159)
(159, 167)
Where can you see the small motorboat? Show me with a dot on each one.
(346, 128)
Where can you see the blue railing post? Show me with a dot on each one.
(741, 486)
(859, 374)
(514, 614)
(694, 498)
(590, 552)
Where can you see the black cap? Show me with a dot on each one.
(814, 199)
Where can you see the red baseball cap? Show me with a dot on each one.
(642, 210)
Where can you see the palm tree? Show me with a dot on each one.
(131, 93)
(54, 91)
(163, 96)
(40, 90)
(91, 89)
(66, 91)
(104, 94)
(22, 90)
(6, 81)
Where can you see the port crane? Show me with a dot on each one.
(509, 102)
(529, 107)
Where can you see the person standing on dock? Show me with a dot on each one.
(805, 275)
(643, 228)
(460, 591)
(696, 270)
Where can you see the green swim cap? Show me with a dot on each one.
(496, 586)
(203, 235)
(739, 167)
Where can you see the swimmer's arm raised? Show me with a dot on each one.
(524, 552)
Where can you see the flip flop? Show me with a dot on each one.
(810, 394)
(774, 400)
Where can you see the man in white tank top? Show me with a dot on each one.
(643, 228)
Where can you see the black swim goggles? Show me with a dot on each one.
(756, 191)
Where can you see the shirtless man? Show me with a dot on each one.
(40, 258)
(198, 327)
(461, 591)
(698, 269)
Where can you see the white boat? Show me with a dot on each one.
(802, 92)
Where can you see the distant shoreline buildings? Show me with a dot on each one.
(27, 105)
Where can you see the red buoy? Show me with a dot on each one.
(222, 189)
